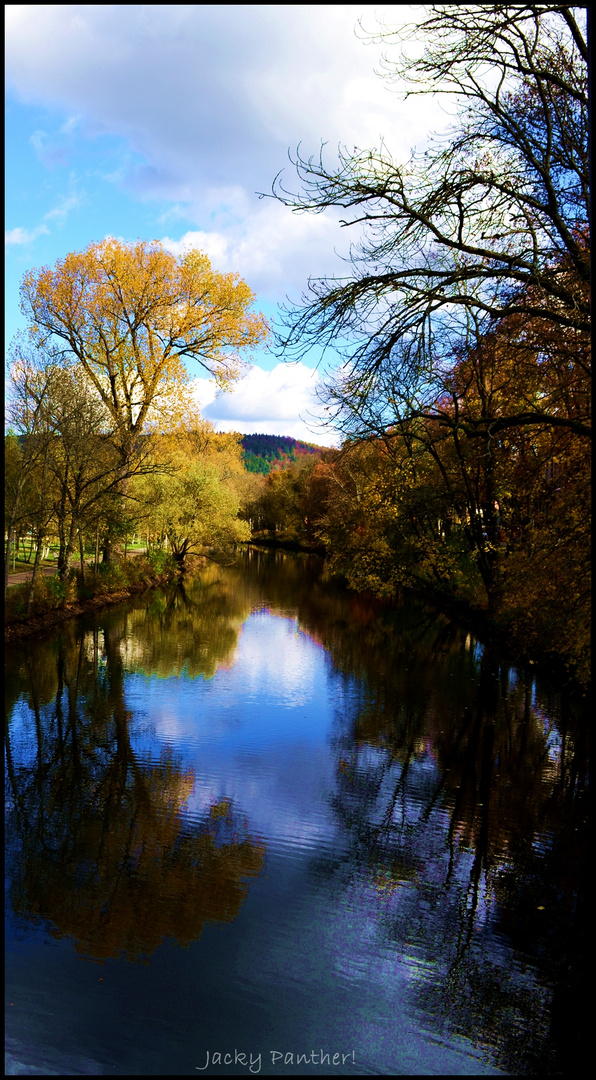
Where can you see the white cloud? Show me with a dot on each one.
(214, 244)
(203, 103)
(70, 125)
(274, 250)
(58, 215)
(210, 98)
(49, 149)
(176, 79)
(277, 402)
(65, 205)
(23, 236)
(37, 140)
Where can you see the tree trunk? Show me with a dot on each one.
(112, 546)
(107, 554)
(82, 556)
(96, 549)
(38, 553)
(9, 542)
(66, 550)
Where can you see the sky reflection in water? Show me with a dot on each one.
(362, 826)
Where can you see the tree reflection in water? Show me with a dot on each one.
(465, 813)
(101, 848)
(461, 787)
(459, 798)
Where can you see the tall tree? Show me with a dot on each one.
(67, 433)
(130, 315)
(26, 446)
(491, 221)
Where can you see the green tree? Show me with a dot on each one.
(26, 451)
(80, 471)
(196, 506)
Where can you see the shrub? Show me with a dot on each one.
(16, 602)
(50, 593)
(160, 561)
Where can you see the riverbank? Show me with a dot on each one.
(500, 633)
(476, 619)
(287, 545)
(50, 608)
(513, 647)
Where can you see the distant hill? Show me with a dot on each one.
(268, 453)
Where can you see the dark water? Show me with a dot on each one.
(258, 825)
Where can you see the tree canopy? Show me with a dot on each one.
(490, 222)
(131, 315)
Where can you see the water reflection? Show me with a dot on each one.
(464, 805)
(192, 629)
(100, 846)
(436, 800)
(461, 796)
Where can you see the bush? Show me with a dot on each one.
(160, 561)
(16, 602)
(50, 593)
(56, 590)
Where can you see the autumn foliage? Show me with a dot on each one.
(462, 322)
(484, 501)
(131, 314)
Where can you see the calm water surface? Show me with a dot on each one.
(260, 816)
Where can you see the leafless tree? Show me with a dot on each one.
(490, 222)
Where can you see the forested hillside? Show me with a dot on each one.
(268, 453)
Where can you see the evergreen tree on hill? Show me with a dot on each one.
(264, 453)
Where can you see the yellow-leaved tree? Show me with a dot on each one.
(131, 315)
(195, 507)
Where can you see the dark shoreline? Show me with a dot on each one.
(15, 631)
(472, 618)
(286, 545)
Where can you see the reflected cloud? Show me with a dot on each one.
(423, 803)
(274, 662)
(100, 846)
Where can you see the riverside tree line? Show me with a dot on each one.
(110, 439)
(463, 330)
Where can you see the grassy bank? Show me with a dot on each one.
(54, 601)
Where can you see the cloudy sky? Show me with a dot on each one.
(165, 122)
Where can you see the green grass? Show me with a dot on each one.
(20, 565)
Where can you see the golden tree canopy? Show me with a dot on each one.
(130, 314)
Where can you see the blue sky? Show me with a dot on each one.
(165, 122)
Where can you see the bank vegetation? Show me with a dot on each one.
(460, 332)
(460, 376)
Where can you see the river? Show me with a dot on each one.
(259, 825)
